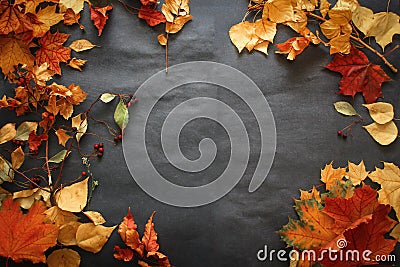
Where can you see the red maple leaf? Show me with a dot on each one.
(152, 16)
(359, 75)
(35, 140)
(148, 2)
(99, 16)
(52, 50)
(25, 237)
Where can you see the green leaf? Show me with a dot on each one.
(107, 97)
(121, 115)
(6, 172)
(59, 157)
(345, 108)
(24, 129)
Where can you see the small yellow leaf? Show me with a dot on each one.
(162, 39)
(330, 175)
(63, 137)
(177, 24)
(384, 134)
(241, 34)
(74, 197)
(92, 237)
(7, 133)
(17, 158)
(67, 234)
(81, 45)
(95, 217)
(77, 63)
(278, 11)
(380, 112)
(356, 173)
(64, 258)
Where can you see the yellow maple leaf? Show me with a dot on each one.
(75, 5)
(63, 137)
(330, 175)
(356, 173)
(389, 179)
(383, 27)
(13, 52)
(49, 17)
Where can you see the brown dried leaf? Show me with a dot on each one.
(82, 45)
(77, 63)
(74, 197)
(95, 217)
(17, 158)
(92, 237)
(67, 234)
(7, 133)
(64, 258)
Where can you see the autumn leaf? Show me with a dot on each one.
(356, 173)
(49, 17)
(92, 237)
(293, 47)
(107, 97)
(33, 238)
(380, 112)
(77, 63)
(17, 158)
(52, 50)
(42, 74)
(6, 171)
(64, 258)
(95, 217)
(307, 195)
(81, 45)
(73, 198)
(13, 20)
(128, 232)
(345, 108)
(3, 195)
(7, 132)
(384, 134)
(389, 179)
(14, 52)
(63, 137)
(359, 75)
(26, 198)
(329, 175)
(149, 238)
(36, 140)
(60, 156)
(80, 124)
(152, 16)
(241, 34)
(99, 16)
(70, 18)
(121, 115)
(123, 254)
(75, 5)
(278, 11)
(67, 234)
(59, 217)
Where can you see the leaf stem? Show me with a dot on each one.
(47, 162)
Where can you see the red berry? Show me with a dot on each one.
(101, 149)
(19, 83)
(21, 80)
(120, 137)
(99, 155)
(96, 146)
(84, 173)
(26, 108)
(116, 138)
(51, 117)
(339, 132)
(344, 136)
(101, 144)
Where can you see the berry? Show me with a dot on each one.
(19, 83)
(21, 80)
(26, 108)
(339, 132)
(51, 117)
(14, 142)
(99, 155)
(14, 103)
(84, 173)
(96, 146)
(128, 104)
(116, 138)
(101, 144)
(101, 149)
(120, 136)
(344, 136)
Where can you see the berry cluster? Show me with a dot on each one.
(340, 133)
(35, 181)
(19, 143)
(100, 149)
(118, 137)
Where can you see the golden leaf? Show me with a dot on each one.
(331, 29)
(300, 21)
(17, 158)
(67, 233)
(177, 24)
(380, 112)
(241, 34)
(383, 27)
(64, 258)
(356, 173)
(63, 137)
(70, 18)
(307, 195)
(42, 74)
(14, 52)
(340, 44)
(308, 5)
(77, 63)
(340, 15)
(389, 179)
(162, 39)
(95, 217)
(7, 133)
(350, 4)
(80, 124)
(330, 175)
(262, 47)
(265, 30)
(81, 45)
(59, 217)
(278, 11)
(324, 7)
(396, 232)
(26, 198)
(48, 17)
(362, 18)
(92, 237)
(75, 5)
(384, 134)
(74, 197)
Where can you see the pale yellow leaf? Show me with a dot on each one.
(362, 18)
(81, 45)
(75, 5)
(74, 197)
(17, 158)
(383, 27)
(59, 217)
(380, 112)
(7, 133)
(241, 34)
(262, 47)
(95, 217)
(384, 134)
(92, 237)
(77, 63)
(356, 173)
(26, 198)
(265, 30)
(80, 124)
(278, 11)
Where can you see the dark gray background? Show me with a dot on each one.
(230, 231)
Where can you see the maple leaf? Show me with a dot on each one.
(152, 16)
(99, 16)
(359, 75)
(356, 173)
(293, 47)
(13, 52)
(13, 20)
(70, 18)
(48, 17)
(35, 140)
(389, 179)
(33, 238)
(52, 50)
(330, 175)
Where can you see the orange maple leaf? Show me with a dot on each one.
(52, 50)
(12, 53)
(13, 20)
(25, 237)
(99, 16)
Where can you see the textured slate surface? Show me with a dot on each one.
(228, 232)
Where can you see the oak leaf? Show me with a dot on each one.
(14, 52)
(34, 237)
(389, 179)
(99, 16)
(52, 50)
(384, 134)
(92, 237)
(359, 75)
(64, 258)
(152, 16)
(293, 47)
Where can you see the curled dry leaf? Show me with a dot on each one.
(7, 133)
(92, 237)
(17, 158)
(60, 156)
(152, 16)
(80, 124)
(95, 217)
(81, 45)
(380, 112)
(62, 136)
(123, 254)
(149, 238)
(345, 108)
(64, 258)
(67, 234)
(99, 16)
(6, 171)
(107, 97)
(59, 217)
(77, 63)
(384, 134)
(73, 198)
(177, 25)
(162, 39)
(26, 198)
(128, 232)
(293, 47)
